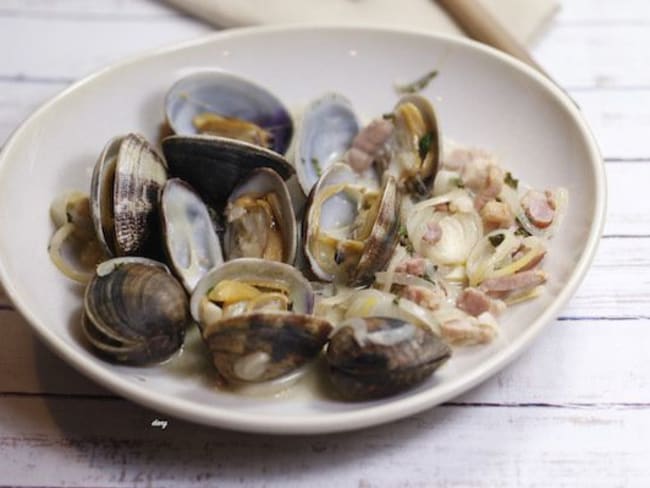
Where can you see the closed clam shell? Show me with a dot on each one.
(135, 311)
(249, 236)
(191, 242)
(327, 129)
(125, 189)
(227, 95)
(374, 357)
(215, 165)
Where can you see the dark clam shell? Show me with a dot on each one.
(263, 346)
(214, 165)
(376, 357)
(135, 311)
(125, 190)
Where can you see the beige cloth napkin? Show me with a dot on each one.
(523, 18)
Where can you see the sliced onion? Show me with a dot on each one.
(485, 257)
(56, 249)
(398, 256)
(404, 279)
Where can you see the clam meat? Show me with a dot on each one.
(260, 221)
(256, 319)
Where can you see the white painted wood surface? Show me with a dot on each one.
(572, 411)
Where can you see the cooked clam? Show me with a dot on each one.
(375, 357)
(415, 145)
(260, 221)
(191, 243)
(135, 311)
(124, 194)
(215, 165)
(226, 105)
(326, 131)
(256, 319)
(350, 229)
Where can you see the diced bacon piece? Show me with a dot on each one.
(496, 215)
(525, 280)
(368, 143)
(359, 160)
(415, 266)
(476, 302)
(491, 186)
(460, 157)
(533, 262)
(433, 233)
(539, 208)
(425, 297)
(466, 332)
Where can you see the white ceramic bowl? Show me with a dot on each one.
(484, 99)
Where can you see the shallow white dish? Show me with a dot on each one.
(484, 99)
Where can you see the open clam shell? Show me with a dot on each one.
(214, 165)
(327, 129)
(259, 344)
(416, 144)
(135, 311)
(374, 357)
(125, 189)
(234, 98)
(260, 221)
(191, 243)
(350, 229)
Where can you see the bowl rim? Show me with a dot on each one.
(383, 411)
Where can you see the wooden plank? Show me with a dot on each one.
(87, 9)
(628, 211)
(603, 11)
(616, 284)
(619, 119)
(449, 446)
(587, 56)
(62, 37)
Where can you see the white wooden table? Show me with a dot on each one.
(573, 411)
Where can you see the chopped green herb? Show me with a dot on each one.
(316, 164)
(457, 182)
(511, 181)
(388, 116)
(416, 85)
(425, 144)
(396, 301)
(522, 232)
(402, 232)
(496, 239)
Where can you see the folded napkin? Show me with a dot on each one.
(523, 18)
